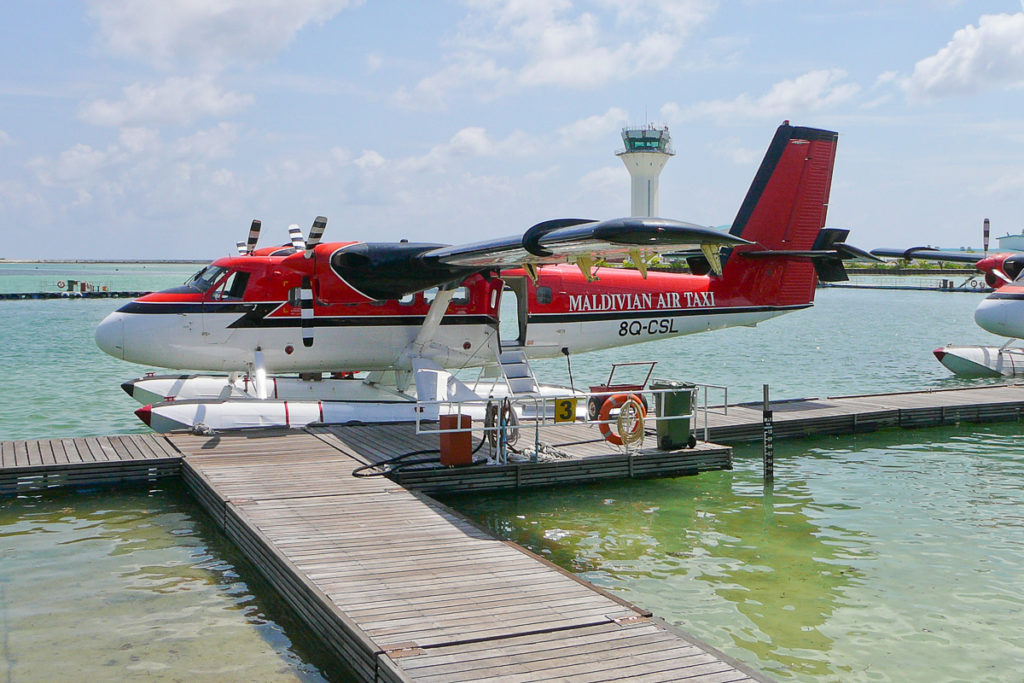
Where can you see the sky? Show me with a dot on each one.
(157, 129)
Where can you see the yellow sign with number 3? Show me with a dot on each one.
(565, 410)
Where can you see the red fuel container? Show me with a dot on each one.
(456, 447)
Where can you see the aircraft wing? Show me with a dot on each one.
(930, 254)
(566, 239)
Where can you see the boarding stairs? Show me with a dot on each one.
(518, 374)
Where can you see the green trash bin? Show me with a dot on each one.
(676, 403)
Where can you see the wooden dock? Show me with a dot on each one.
(403, 588)
(870, 412)
(587, 457)
(399, 586)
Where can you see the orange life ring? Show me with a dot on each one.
(613, 402)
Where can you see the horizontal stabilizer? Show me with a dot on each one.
(828, 254)
(930, 254)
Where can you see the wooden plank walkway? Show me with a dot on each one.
(403, 588)
(89, 461)
(856, 414)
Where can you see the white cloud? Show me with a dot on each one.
(213, 33)
(733, 150)
(78, 164)
(591, 128)
(607, 181)
(5, 139)
(813, 91)
(989, 55)
(139, 140)
(370, 161)
(430, 92)
(510, 44)
(177, 101)
(213, 143)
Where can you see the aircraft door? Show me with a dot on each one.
(513, 312)
(222, 305)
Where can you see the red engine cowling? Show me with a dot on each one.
(1010, 265)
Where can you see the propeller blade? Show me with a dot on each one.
(315, 233)
(296, 236)
(1001, 275)
(307, 312)
(985, 230)
(254, 235)
(241, 247)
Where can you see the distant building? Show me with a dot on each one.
(1011, 242)
(645, 154)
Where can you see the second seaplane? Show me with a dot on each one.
(406, 315)
(1001, 312)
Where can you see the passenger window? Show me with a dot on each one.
(408, 300)
(429, 295)
(461, 296)
(544, 295)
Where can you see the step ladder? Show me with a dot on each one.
(517, 372)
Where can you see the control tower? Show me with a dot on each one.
(646, 151)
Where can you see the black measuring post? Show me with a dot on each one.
(769, 439)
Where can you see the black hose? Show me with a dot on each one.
(396, 463)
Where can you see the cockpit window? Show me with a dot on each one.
(205, 278)
(233, 286)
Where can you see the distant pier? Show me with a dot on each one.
(72, 295)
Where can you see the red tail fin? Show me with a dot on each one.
(784, 210)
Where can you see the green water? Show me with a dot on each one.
(884, 557)
(137, 584)
(890, 556)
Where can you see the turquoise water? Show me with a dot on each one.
(890, 556)
(137, 584)
(128, 277)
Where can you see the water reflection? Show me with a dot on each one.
(121, 584)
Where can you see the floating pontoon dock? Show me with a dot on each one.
(399, 586)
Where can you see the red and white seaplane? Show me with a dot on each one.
(407, 314)
(1001, 312)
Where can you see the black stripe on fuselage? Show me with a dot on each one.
(255, 315)
(1011, 296)
(667, 313)
(151, 308)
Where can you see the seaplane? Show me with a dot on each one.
(335, 332)
(1001, 312)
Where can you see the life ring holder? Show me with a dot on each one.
(60, 284)
(626, 434)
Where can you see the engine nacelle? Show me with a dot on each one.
(1010, 265)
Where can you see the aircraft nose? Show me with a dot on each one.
(110, 335)
(997, 316)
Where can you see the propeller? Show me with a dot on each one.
(307, 312)
(315, 233)
(241, 248)
(254, 236)
(985, 232)
(308, 246)
(295, 233)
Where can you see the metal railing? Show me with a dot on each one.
(550, 412)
